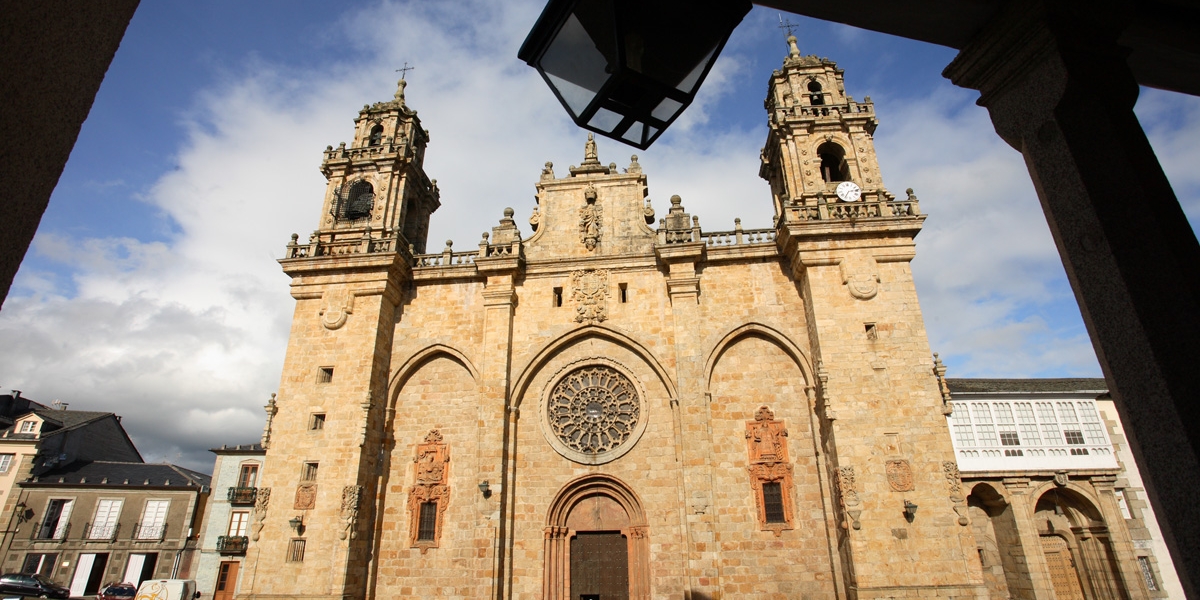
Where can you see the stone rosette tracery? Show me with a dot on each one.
(594, 413)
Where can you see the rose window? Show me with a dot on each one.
(593, 409)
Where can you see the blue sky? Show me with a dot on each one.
(152, 290)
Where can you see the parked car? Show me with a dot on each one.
(28, 584)
(117, 591)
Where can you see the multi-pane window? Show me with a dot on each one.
(1148, 573)
(773, 502)
(154, 520)
(104, 524)
(982, 415)
(56, 521)
(237, 522)
(1027, 423)
(6, 461)
(28, 427)
(248, 476)
(296, 550)
(1013, 425)
(427, 522)
(39, 564)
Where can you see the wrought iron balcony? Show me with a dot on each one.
(232, 544)
(149, 533)
(45, 533)
(242, 495)
(101, 533)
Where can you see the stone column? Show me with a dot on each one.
(1022, 506)
(1058, 89)
(499, 298)
(1118, 536)
(683, 286)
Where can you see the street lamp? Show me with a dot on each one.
(626, 69)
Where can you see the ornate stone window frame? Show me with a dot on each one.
(766, 446)
(431, 479)
(582, 457)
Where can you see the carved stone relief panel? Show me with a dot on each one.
(589, 290)
(430, 487)
(770, 471)
(847, 486)
(900, 475)
(306, 496)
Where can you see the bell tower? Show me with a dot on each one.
(378, 187)
(324, 437)
(820, 147)
(882, 414)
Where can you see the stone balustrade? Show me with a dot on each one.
(317, 247)
(738, 237)
(844, 211)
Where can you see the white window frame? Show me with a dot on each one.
(6, 462)
(152, 525)
(104, 530)
(30, 426)
(239, 521)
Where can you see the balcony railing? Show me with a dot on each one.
(232, 544)
(242, 495)
(149, 533)
(42, 533)
(101, 533)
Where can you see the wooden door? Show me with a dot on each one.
(1063, 575)
(599, 566)
(226, 581)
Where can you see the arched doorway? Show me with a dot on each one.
(595, 542)
(1079, 553)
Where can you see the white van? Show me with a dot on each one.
(167, 589)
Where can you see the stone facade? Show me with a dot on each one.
(745, 413)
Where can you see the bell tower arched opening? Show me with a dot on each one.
(833, 162)
(596, 542)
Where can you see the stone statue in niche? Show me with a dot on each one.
(589, 219)
(430, 485)
(766, 444)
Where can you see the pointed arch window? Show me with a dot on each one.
(376, 137)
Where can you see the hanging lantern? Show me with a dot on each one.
(627, 69)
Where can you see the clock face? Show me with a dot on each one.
(848, 191)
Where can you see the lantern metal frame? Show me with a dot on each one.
(629, 106)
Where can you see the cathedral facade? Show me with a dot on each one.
(618, 404)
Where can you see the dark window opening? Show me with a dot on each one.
(815, 97)
(1079, 451)
(1074, 438)
(427, 522)
(318, 422)
(557, 296)
(872, 334)
(324, 374)
(1014, 452)
(624, 292)
(772, 492)
(309, 473)
(296, 551)
(357, 201)
(376, 135)
(1009, 438)
(39, 564)
(833, 162)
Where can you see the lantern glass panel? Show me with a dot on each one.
(666, 109)
(605, 120)
(574, 65)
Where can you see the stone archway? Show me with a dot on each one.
(598, 519)
(1078, 548)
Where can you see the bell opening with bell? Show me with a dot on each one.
(627, 69)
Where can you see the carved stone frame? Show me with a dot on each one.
(430, 484)
(766, 446)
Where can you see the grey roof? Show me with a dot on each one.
(68, 419)
(255, 448)
(130, 474)
(978, 386)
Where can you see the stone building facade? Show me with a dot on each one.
(1054, 495)
(616, 403)
(225, 529)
